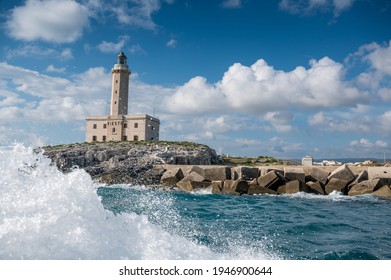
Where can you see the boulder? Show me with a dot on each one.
(316, 187)
(318, 174)
(171, 177)
(217, 187)
(294, 186)
(294, 173)
(342, 173)
(217, 173)
(244, 172)
(336, 185)
(384, 191)
(271, 180)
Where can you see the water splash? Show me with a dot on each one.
(45, 214)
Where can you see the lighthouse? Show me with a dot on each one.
(119, 126)
(120, 87)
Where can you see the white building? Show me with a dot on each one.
(307, 161)
(119, 126)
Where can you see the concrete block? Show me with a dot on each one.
(342, 173)
(336, 185)
(271, 180)
(244, 172)
(217, 173)
(316, 187)
(229, 187)
(363, 187)
(294, 187)
(256, 189)
(384, 191)
(217, 187)
(383, 173)
(294, 173)
(241, 186)
(171, 177)
(318, 174)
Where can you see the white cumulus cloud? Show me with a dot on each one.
(113, 47)
(260, 88)
(56, 21)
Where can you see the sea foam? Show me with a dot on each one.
(45, 214)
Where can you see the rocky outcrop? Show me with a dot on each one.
(315, 180)
(130, 162)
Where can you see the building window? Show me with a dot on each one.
(104, 125)
(115, 92)
(104, 138)
(116, 81)
(124, 138)
(152, 127)
(135, 125)
(125, 125)
(113, 130)
(94, 138)
(94, 126)
(135, 138)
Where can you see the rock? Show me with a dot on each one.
(294, 173)
(318, 174)
(271, 180)
(244, 172)
(171, 177)
(342, 173)
(128, 162)
(217, 173)
(294, 186)
(384, 191)
(336, 185)
(217, 187)
(316, 187)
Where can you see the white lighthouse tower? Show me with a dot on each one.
(119, 126)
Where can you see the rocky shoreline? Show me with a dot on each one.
(189, 166)
(128, 162)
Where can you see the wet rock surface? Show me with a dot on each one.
(129, 162)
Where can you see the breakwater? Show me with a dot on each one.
(284, 180)
(189, 167)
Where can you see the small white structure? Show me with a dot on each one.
(119, 126)
(307, 161)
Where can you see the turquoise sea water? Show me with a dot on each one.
(45, 214)
(297, 226)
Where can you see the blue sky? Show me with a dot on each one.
(282, 78)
